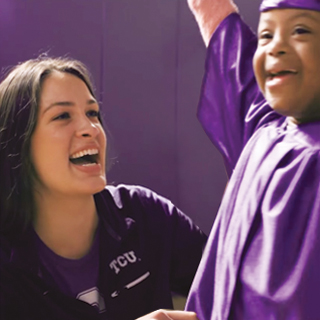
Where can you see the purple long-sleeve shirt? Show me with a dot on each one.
(262, 260)
(147, 248)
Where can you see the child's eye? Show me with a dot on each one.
(62, 116)
(265, 35)
(93, 114)
(301, 30)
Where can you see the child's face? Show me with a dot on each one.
(287, 62)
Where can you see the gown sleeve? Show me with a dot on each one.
(231, 105)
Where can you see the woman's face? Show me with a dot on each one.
(287, 62)
(68, 146)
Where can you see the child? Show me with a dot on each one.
(71, 247)
(263, 255)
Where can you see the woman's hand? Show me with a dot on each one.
(170, 315)
(209, 14)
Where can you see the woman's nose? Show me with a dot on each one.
(87, 128)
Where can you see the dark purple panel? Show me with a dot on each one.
(59, 27)
(202, 176)
(140, 92)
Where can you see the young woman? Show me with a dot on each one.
(73, 247)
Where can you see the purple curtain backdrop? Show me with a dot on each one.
(147, 59)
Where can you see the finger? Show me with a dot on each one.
(170, 315)
(181, 315)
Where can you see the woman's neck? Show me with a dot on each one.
(66, 224)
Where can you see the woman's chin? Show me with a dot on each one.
(94, 186)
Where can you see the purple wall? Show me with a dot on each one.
(147, 59)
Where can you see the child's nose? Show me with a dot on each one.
(277, 46)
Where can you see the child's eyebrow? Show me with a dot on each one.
(305, 15)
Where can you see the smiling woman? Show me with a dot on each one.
(66, 235)
(68, 127)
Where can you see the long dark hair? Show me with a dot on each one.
(19, 99)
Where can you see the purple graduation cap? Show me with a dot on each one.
(297, 4)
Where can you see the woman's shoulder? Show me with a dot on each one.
(136, 202)
(124, 194)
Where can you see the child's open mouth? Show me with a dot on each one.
(279, 74)
(279, 77)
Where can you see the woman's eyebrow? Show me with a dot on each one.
(67, 104)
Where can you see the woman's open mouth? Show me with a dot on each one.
(88, 157)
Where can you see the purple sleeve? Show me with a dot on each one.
(182, 241)
(231, 104)
(173, 244)
(188, 244)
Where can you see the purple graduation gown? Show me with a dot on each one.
(262, 260)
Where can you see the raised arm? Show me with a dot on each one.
(231, 105)
(209, 14)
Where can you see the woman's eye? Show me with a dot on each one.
(93, 114)
(62, 116)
